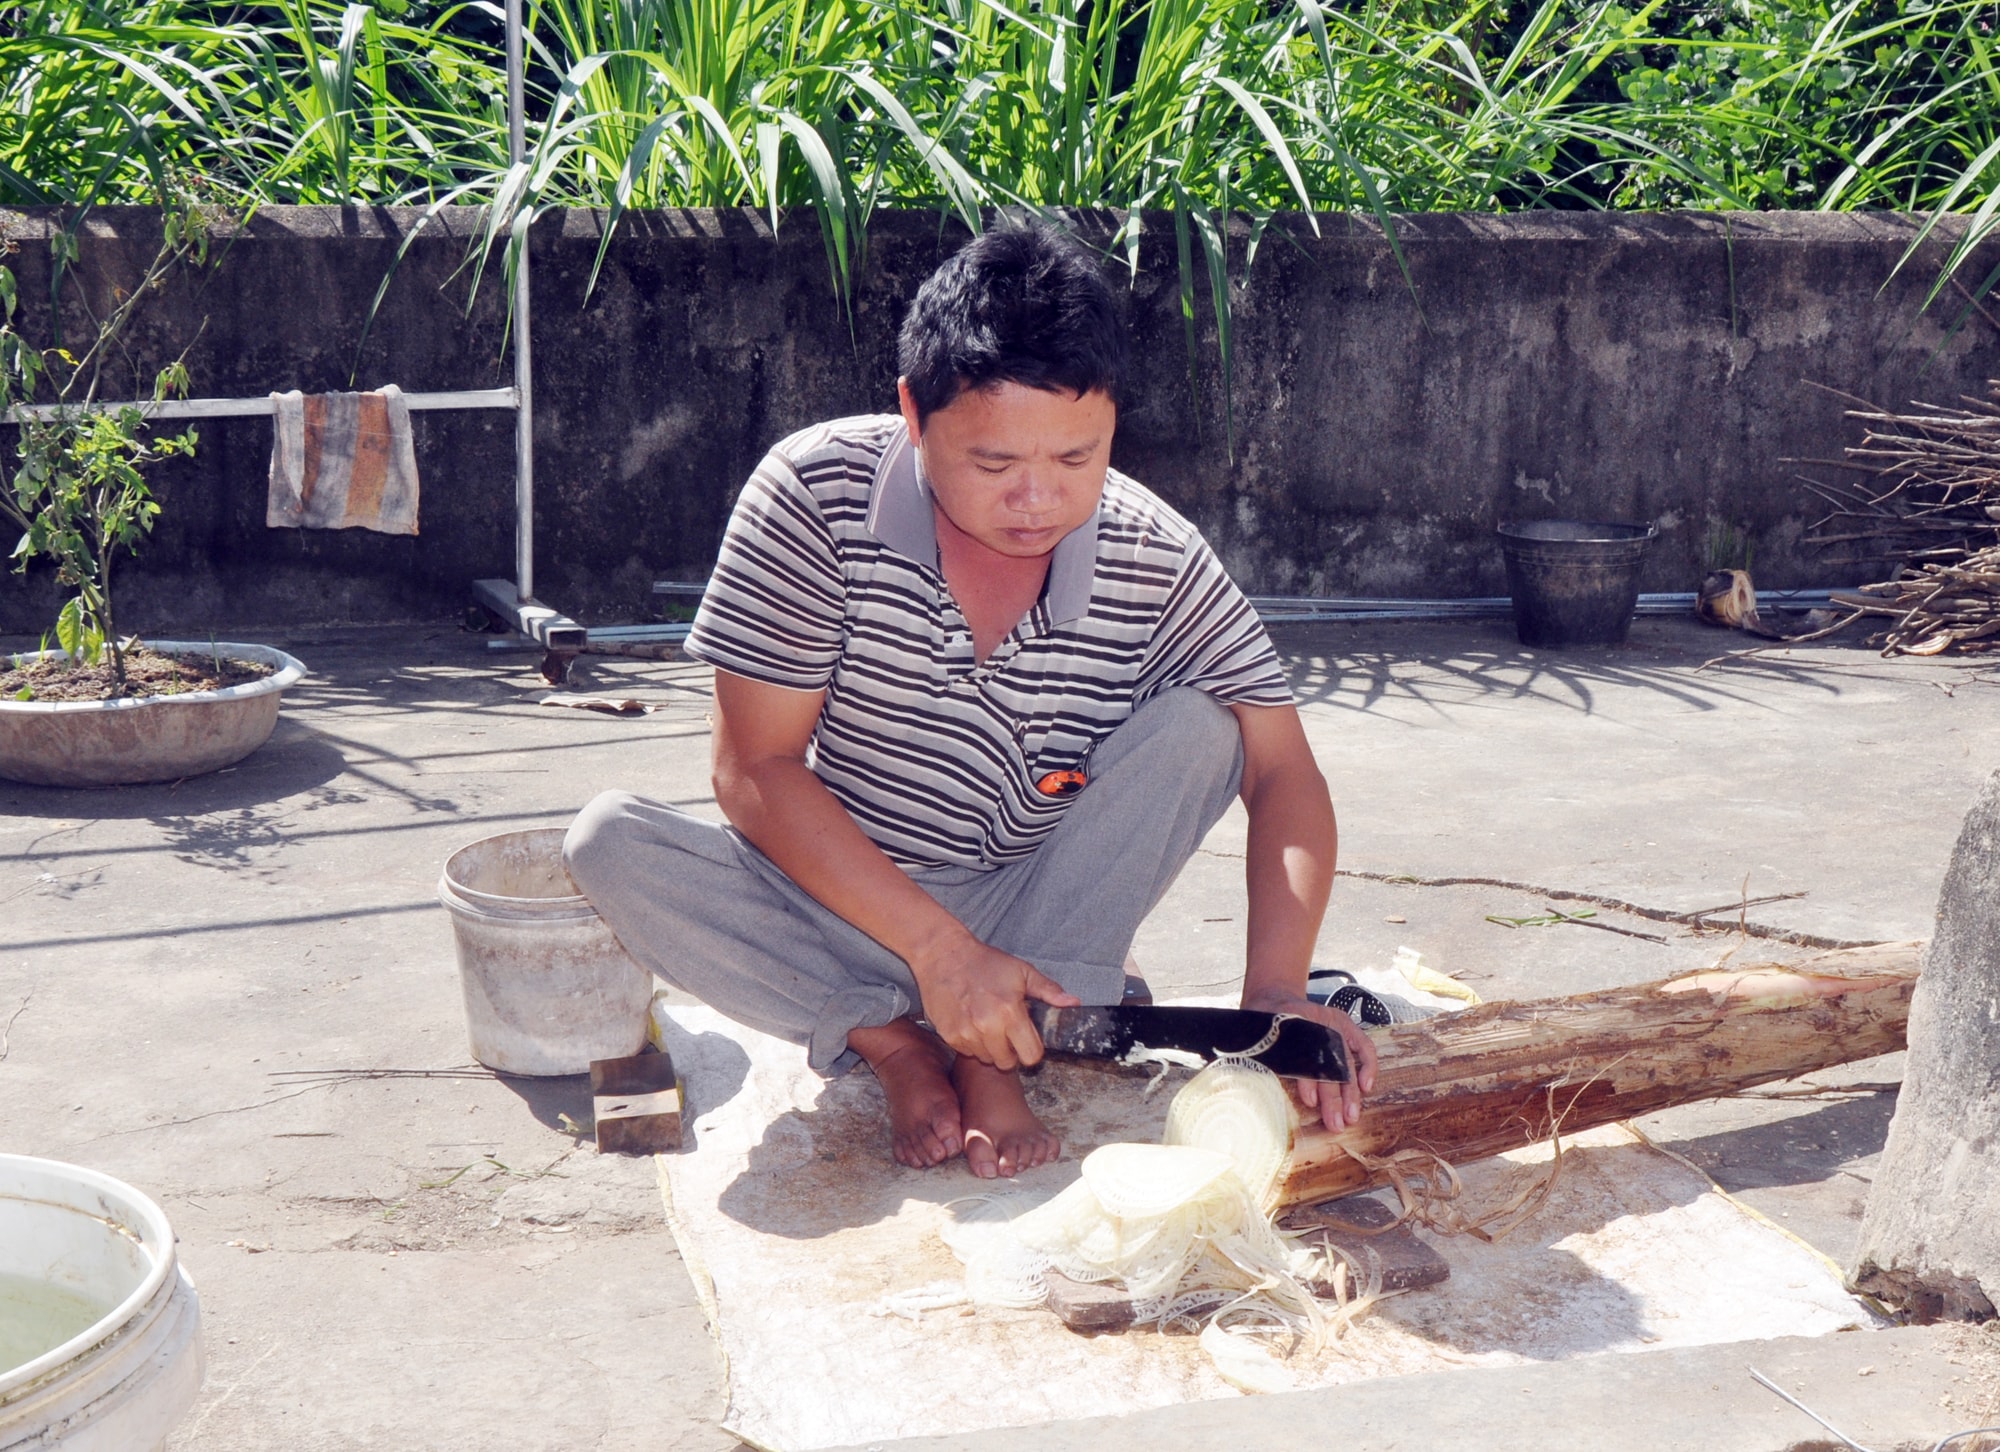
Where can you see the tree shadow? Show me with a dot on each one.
(1437, 668)
(295, 760)
(235, 819)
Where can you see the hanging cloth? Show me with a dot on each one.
(343, 461)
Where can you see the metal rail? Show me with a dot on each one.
(1307, 610)
(254, 407)
(1315, 609)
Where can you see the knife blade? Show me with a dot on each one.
(1296, 1048)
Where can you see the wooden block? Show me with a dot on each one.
(636, 1102)
(1087, 1306)
(1358, 1228)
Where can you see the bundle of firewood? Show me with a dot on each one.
(1926, 485)
(1936, 608)
(1924, 498)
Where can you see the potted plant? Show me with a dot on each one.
(102, 709)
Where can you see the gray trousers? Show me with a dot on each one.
(705, 910)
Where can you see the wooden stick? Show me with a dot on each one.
(1468, 1085)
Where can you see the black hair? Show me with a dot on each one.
(1023, 304)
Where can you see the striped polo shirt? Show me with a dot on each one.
(828, 580)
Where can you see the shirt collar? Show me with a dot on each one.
(900, 516)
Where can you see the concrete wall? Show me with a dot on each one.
(1548, 365)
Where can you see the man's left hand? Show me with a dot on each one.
(1339, 1105)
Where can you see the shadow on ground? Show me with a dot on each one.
(1481, 663)
(549, 1099)
(296, 760)
(1800, 1149)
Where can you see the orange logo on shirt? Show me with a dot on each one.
(1062, 783)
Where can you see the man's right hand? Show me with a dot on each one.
(976, 998)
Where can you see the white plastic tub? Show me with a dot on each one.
(73, 1241)
(548, 987)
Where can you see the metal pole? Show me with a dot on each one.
(524, 417)
(514, 600)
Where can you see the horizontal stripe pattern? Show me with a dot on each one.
(937, 756)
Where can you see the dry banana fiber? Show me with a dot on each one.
(1468, 1085)
(1727, 597)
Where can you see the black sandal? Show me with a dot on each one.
(1337, 988)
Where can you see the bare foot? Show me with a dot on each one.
(915, 1072)
(1002, 1135)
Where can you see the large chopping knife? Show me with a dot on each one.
(1135, 1034)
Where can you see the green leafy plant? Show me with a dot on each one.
(77, 489)
(1728, 546)
(1205, 109)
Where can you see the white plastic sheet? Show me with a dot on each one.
(830, 1289)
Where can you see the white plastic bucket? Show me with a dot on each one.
(548, 987)
(71, 1238)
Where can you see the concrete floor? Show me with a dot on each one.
(238, 992)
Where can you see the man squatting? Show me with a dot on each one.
(978, 698)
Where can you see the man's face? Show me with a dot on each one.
(1016, 468)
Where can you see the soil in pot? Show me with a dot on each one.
(147, 673)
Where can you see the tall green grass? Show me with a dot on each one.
(1196, 108)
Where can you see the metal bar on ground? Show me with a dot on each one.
(665, 630)
(1315, 609)
(597, 640)
(1306, 610)
(253, 407)
(551, 631)
(1326, 602)
(663, 633)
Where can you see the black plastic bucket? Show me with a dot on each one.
(1574, 583)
